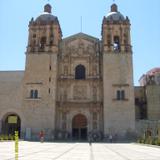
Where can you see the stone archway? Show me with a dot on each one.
(79, 127)
(10, 124)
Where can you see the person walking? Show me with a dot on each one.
(90, 138)
(41, 136)
(110, 138)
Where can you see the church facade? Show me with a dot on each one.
(78, 86)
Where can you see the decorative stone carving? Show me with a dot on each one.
(90, 49)
(65, 95)
(65, 70)
(64, 116)
(151, 80)
(95, 70)
(72, 50)
(94, 116)
(94, 125)
(94, 93)
(64, 126)
(79, 49)
(79, 92)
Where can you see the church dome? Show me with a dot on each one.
(114, 14)
(151, 77)
(154, 71)
(46, 16)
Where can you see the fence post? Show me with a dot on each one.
(16, 145)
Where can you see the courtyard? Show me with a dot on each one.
(78, 151)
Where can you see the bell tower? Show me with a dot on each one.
(118, 92)
(40, 77)
(44, 33)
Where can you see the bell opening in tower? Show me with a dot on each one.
(116, 44)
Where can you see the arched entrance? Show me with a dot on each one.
(79, 127)
(10, 124)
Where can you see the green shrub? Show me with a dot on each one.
(11, 137)
(149, 140)
(140, 140)
(158, 142)
(6, 137)
(1, 137)
(154, 141)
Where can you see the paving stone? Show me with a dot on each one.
(78, 151)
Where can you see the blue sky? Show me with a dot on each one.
(145, 30)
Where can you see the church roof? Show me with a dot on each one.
(81, 35)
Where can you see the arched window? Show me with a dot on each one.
(34, 94)
(10, 124)
(120, 95)
(109, 40)
(51, 39)
(31, 93)
(80, 72)
(42, 42)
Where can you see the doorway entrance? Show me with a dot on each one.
(79, 127)
(10, 124)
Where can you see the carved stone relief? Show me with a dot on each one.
(94, 93)
(64, 116)
(65, 70)
(95, 70)
(94, 125)
(80, 47)
(90, 49)
(79, 92)
(64, 126)
(151, 80)
(94, 116)
(65, 95)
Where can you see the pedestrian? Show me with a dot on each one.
(41, 136)
(90, 138)
(110, 138)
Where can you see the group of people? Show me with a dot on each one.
(95, 137)
(91, 138)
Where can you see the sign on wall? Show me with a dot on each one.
(12, 119)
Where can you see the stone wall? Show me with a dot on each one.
(153, 101)
(10, 95)
(143, 126)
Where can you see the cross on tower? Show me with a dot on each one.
(48, 1)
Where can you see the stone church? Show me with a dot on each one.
(78, 86)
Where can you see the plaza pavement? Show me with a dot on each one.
(78, 151)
